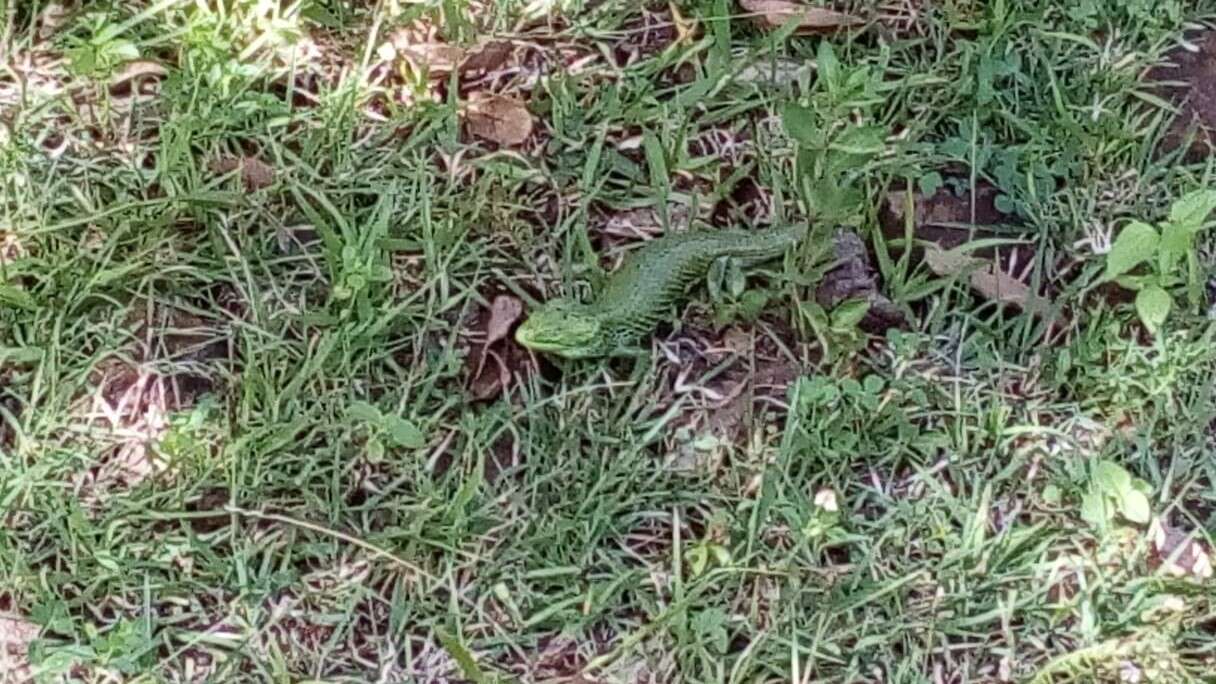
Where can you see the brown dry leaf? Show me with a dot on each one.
(985, 277)
(10, 248)
(52, 18)
(944, 217)
(999, 286)
(491, 54)
(132, 71)
(436, 59)
(255, 173)
(776, 13)
(490, 372)
(498, 118)
(738, 340)
(948, 262)
(133, 462)
(645, 222)
(1179, 552)
(503, 312)
(491, 378)
(781, 72)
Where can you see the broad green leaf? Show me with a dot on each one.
(814, 314)
(1153, 306)
(873, 384)
(850, 387)
(361, 410)
(1192, 209)
(721, 554)
(83, 59)
(736, 279)
(815, 391)
(698, 558)
(1175, 243)
(752, 303)
(861, 140)
(1194, 279)
(375, 450)
(1134, 506)
(1135, 282)
(1094, 509)
(124, 49)
(316, 13)
(14, 296)
(930, 183)
(1135, 244)
(807, 162)
(404, 433)
(849, 313)
(1051, 495)
(714, 279)
(832, 202)
(709, 626)
(827, 65)
(1111, 478)
(20, 355)
(799, 123)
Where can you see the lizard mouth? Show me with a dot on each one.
(538, 345)
(527, 339)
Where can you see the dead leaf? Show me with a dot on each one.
(645, 222)
(489, 371)
(503, 312)
(738, 340)
(421, 50)
(52, 18)
(488, 55)
(10, 248)
(1179, 552)
(498, 118)
(125, 78)
(948, 262)
(436, 59)
(255, 173)
(999, 286)
(985, 277)
(774, 14)
(490, 379)
(945, 217)
(779, 73)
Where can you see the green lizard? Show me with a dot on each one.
(642, 290)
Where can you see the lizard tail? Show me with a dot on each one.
(758, 246)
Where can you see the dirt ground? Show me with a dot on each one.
(1194, 93)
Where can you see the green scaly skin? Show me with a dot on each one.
(641, 292)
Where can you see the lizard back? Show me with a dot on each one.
(651, 279)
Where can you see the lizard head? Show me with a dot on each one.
(563, 328)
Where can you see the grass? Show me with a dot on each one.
(237, 438)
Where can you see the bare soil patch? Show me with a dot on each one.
(1190, 83)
